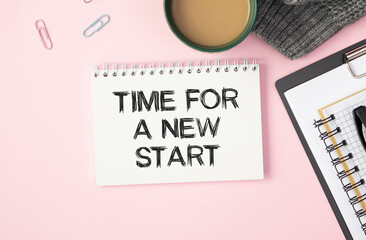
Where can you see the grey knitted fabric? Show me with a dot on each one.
(296, 29)
(297, 1)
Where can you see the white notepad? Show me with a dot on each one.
(177, 124)
(334, 93)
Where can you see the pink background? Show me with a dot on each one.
(46, 149)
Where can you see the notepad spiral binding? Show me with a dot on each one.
(170, 67)
(342, 174)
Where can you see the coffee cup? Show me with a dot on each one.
(211, 25)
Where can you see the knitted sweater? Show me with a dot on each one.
(296, 27)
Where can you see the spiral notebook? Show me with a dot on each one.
(179, 122)
(328, 91)
(338, 132)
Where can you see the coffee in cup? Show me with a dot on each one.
(211, 25)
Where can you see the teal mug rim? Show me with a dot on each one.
(219, 48)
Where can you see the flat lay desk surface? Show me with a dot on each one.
(46, 149)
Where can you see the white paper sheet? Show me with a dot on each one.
(239, 136)
(304, 101)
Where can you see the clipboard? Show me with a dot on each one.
(345, 56)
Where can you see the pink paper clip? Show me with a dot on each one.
(43, 33)
(87, 1)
